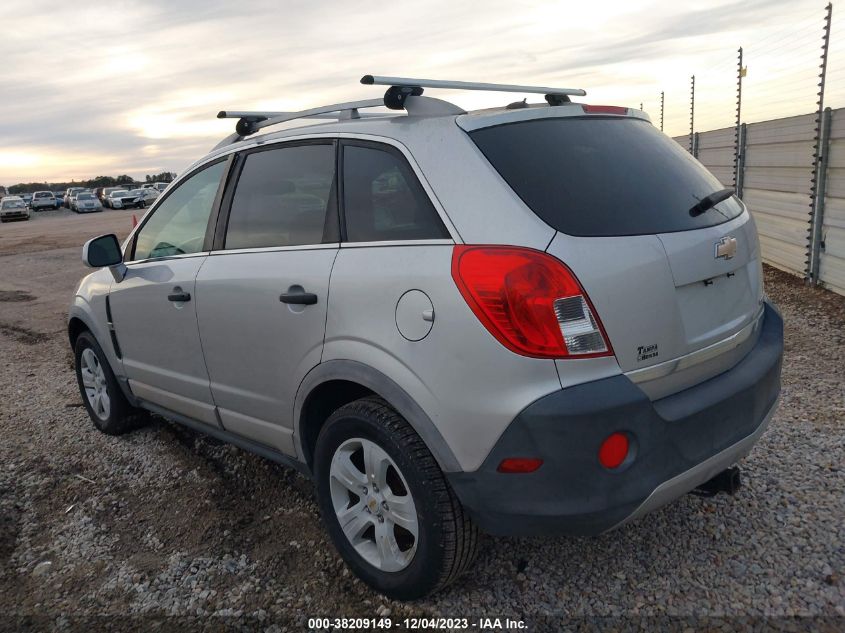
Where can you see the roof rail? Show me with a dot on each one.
(250, 122)
(403, 87)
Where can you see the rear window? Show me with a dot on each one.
(597, 176)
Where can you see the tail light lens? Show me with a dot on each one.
(530, 301)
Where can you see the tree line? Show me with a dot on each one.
(99, 181)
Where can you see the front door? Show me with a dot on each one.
(154, 307)
(262, 293)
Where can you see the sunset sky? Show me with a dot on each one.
(104, 88)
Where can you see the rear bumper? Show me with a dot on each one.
(677, 443)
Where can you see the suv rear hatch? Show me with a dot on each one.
(679, 294)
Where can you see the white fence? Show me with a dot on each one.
(832, 247)
(775, 180)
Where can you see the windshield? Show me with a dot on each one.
(116, 194)
(85, 196)
(13, 204)
(601, 176)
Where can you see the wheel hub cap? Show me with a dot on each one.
(373, 504)
(94, 384)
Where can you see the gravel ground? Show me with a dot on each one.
(166, 526)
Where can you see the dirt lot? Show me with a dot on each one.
(165, 526)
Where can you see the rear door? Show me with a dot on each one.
(154, 307)
(262, 293)
(665, 282)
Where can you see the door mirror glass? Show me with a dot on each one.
(102, 251)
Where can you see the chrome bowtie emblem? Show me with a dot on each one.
(725, 248)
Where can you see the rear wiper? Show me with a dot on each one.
(708, 202)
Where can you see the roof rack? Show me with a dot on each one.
(395, 98)
(250, 122)
(403, 87)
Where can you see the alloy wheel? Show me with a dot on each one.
(94, 382)
(373, 504)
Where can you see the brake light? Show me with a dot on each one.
(604, 109)
(529, 301)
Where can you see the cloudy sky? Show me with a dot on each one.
(101, 88)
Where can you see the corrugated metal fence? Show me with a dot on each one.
(832, 245)
(775, 179)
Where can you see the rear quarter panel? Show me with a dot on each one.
(466, 382)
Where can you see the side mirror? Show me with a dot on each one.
(103, 251)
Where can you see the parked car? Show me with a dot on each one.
(120, 199)
(86, 202)
(13, 208)
(161, 186)
(43, 200)
(74, 195)
(104, 194)
(60, 197)
(69, 194)
(27, 198)
(576, 339)
(144, 197)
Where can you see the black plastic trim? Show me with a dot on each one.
(230, 438)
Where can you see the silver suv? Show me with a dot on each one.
(536, 319)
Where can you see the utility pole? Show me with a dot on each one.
(740, 73)
(817, 194)
(662, 103)
(692, 115)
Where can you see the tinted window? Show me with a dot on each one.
(284, 198)
(595, 176)
(383, 200)
(178, 224)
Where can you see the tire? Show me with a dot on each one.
(446, 540)
(116, 416)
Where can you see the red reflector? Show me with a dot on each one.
(613, 450)
(519, 465)
(600, 109)
(519, 295)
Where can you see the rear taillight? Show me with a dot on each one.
(530, 301)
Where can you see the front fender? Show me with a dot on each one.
(88, 306)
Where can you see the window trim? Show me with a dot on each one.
(397, 153)
(212, 216)
(217, 245)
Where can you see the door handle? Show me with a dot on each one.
(178, 295)
(301, 298)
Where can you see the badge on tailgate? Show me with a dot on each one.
(725, 247)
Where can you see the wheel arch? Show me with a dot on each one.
(336, 382)
(76, 326)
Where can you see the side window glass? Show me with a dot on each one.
(284, 198)
(383, 200)
(178, 225)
